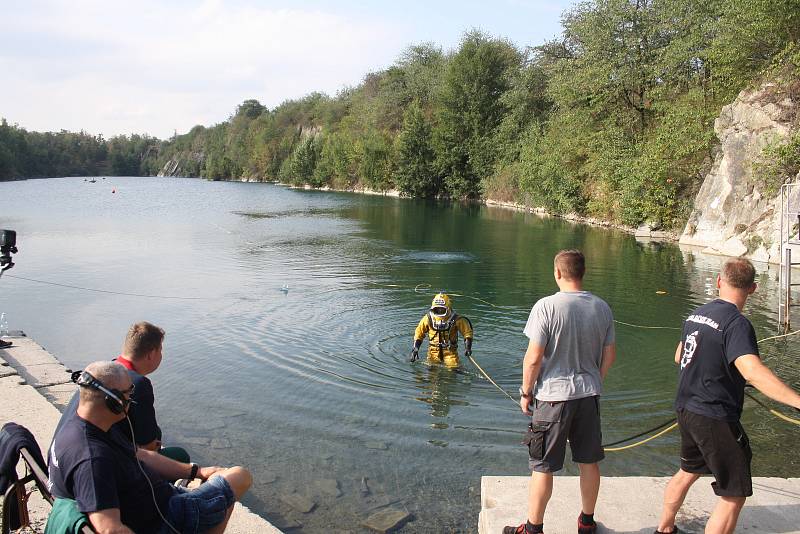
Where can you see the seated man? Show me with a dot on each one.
(141, 355)
(123, 489)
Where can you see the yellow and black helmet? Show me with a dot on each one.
(441, 307)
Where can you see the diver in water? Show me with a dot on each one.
(442, 325)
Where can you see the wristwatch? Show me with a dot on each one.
(523, 394)
(193, 473)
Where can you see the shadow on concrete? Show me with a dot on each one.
(776, 519)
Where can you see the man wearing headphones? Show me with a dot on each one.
(122, 488)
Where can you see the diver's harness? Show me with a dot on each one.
(441, 328)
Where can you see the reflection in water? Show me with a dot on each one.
(441, 387)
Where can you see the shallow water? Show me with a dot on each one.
(289, 317)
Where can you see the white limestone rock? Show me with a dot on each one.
(732, 215)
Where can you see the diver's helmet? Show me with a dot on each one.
(440, 307)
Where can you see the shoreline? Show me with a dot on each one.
(642, 231)
(34, 387)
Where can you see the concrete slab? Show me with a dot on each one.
(29, 364)
(632, 505)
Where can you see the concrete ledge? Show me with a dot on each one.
(632, 505)
(32, 383)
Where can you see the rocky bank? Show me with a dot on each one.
(735, 213)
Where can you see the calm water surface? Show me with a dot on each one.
(311, 385)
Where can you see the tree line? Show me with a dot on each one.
(25, 154)
(613, 119)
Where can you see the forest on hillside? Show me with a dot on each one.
(613, 119)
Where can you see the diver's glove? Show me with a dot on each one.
(414, 355)
(468, 347)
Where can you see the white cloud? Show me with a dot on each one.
(154, 67)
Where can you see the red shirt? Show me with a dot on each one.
(127, 364)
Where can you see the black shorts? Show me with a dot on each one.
(719, 448)
(554, 423)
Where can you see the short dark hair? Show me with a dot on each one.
(739, 273)
(571, 263)
(142, 339)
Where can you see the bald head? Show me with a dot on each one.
(112, 375)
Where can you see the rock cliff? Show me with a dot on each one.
(183, 164)
(734, 214)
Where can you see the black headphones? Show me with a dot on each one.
(115, 399)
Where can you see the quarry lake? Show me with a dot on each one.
(289, 317)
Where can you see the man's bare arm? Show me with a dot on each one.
(758, 374)
(531, 365)
(678, 352)
(108, 522)
(609, 355)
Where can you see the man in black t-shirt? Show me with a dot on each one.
(717, 354)
(121, 488)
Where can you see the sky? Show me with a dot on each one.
(163, 66)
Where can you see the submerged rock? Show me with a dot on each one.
(328, 486)
(195, 441)
(299, 502)
(220, 443)
(386, 520)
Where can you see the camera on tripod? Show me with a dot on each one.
(8, 246)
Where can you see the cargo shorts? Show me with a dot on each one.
(555, 423)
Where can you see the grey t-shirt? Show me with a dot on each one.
(573, 327)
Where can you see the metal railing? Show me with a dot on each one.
(790, 235)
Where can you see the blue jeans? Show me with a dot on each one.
(195, 511)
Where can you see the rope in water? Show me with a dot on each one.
(108, 291)
(649, 327)
(776, 413)
(608, 447)
(516, 403)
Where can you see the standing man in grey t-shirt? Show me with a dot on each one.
(570, 351)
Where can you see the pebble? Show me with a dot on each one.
(386, 520)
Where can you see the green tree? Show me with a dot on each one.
(414, 171)
(470, 111)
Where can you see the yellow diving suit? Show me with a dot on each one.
(442, 326)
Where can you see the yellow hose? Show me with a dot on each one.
(645, 440)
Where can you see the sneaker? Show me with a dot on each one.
(586, 529)
(514, 530)
(4, 344)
